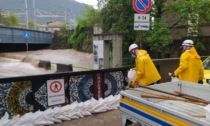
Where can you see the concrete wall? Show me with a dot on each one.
(165, 66)
(116, 40)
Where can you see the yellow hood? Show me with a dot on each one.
(194, 52)
(142, 53)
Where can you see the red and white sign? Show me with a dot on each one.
(142, 6)
(56, 92)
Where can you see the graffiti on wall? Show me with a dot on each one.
(14, 98)
(81, 87)
(23, 96)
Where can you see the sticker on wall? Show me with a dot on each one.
(55, 92)
(98, 53)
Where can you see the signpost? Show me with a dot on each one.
(142, 20)
(26, 36)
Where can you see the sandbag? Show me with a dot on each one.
(131, 74)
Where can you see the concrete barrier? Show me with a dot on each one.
(45, 64)
(57, 67)
(64, 67)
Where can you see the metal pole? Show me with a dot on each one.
(140, 38)
(34, 6)
(26, 41)
(27, 46)
(26, 13)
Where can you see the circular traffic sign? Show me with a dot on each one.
(26, 35)
(55, 86)
(142, 6)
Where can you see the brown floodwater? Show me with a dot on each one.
(13, 64)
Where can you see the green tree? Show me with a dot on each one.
(11, 20)
(64, 33)
(197, 12)
(31, 24)
(159, 36)
(118, 16)
(81, 39)
(192, 14)
(101, 3)
(1, 16)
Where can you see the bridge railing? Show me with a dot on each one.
(11, 35)
(20, 95)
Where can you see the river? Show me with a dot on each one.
(13, 64)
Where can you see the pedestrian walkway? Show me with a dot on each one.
(109, 118)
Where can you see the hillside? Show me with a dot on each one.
(72, 8)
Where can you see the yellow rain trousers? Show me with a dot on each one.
(190, 67)
(146, 72)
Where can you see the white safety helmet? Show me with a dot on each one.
(188, 43)
(132, 46)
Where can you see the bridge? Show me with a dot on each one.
(16, 38)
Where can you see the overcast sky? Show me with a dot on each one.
(90, 2)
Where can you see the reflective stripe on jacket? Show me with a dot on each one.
(146, 72)
(190, 67)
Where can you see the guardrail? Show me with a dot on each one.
(11, 35)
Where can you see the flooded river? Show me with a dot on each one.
(14, 67)
(13, 64)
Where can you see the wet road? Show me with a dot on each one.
(109, 118)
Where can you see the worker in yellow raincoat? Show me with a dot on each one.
(146, 72)
(190, 65)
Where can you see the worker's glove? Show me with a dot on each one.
(171, 74)
(200, 81)
(173, 77)
(132, 84)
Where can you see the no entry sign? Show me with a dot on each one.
(142, 6)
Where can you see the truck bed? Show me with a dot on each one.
(160, 112)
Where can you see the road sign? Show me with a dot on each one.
(141, 26)
(26, 35)
(55, 90)
(142, 6)
(141, 22)
(142, 17)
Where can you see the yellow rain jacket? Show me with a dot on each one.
(146, 72)
(190, 67)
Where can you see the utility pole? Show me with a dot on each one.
(26, 11)
(141, 39)
(34, 7)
